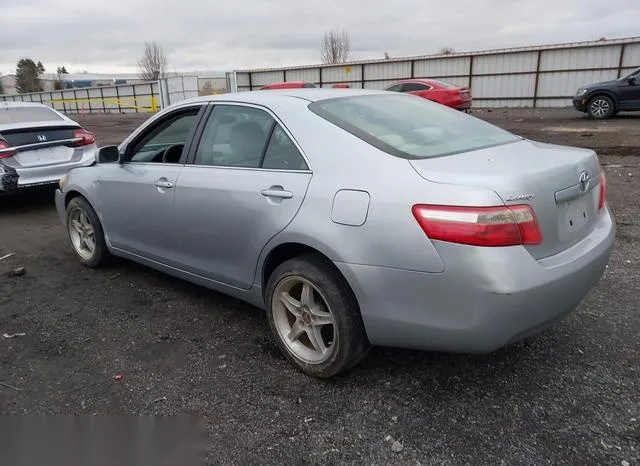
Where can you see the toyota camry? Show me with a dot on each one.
(353, 217)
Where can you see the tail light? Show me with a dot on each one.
(603, 190)
(6, 150)
(479, 226)
(82, 137)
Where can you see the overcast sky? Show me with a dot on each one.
(109, 35)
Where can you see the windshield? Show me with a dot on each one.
(26, 114)
(410, 127)
(635, 73)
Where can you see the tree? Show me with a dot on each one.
(58, 83)
(335, 47)
(447, 51)
(153, 64)
(28, 76)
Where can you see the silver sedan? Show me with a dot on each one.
(354, 218)
(38, 145)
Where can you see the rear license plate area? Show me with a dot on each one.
(43, 156)
(574, 216)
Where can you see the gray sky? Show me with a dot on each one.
(207, 34)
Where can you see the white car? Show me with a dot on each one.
(38, 145)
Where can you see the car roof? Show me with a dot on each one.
(283, 95)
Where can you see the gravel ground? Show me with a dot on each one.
(570, 395)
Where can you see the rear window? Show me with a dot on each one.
(26, 114)
(410, 127)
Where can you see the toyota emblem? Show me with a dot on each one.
(584, 181)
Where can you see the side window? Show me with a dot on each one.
(395, 88)
(234, 136)
(282, 153)
(165, 142)
(412, 87)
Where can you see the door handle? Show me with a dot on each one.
(275, 192)
(163, 184)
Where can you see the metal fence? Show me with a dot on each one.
(124, 98)
(545, 76)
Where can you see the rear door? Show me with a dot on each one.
(419, 89)
(136, 197)
(245, 184)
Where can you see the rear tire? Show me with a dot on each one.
(85, 234)
(314, 317)
(601, 107)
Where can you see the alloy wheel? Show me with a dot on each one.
(82, 234)
(304, 320)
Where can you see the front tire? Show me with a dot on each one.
(601, 107)
(86, 234)
(314, 317)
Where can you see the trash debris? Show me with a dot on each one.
(520, 119)
(586, 135)
(625, 463)
(13, 335)
(387, 438)
(10, 386)
(394, 418)
(118, 376)
(224, 366)
(396, 447)
(114, 276)
(6, 256)
(630, 174)
(17, 272)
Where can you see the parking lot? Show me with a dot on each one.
(570, 395)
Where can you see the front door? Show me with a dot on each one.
(137, 195)
(629, 93)
(245, 185)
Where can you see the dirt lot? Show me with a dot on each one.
(568, 396)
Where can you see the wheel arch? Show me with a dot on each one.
(290, 249)
(605, 92)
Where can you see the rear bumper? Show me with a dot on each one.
(50, 174)
(486, 297)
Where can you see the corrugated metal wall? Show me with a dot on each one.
(534, 76)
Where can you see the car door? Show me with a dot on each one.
(136, 196)
(628, 91)
(245, 183)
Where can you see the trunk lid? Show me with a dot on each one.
(544, 176)
(40, 145)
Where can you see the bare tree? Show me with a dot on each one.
(335, 47)
(153, 64)
(447, 51)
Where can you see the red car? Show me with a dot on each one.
(442, 92)
(288, 85)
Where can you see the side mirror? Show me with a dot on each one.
(108, 154)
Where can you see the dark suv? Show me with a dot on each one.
(604, 100)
